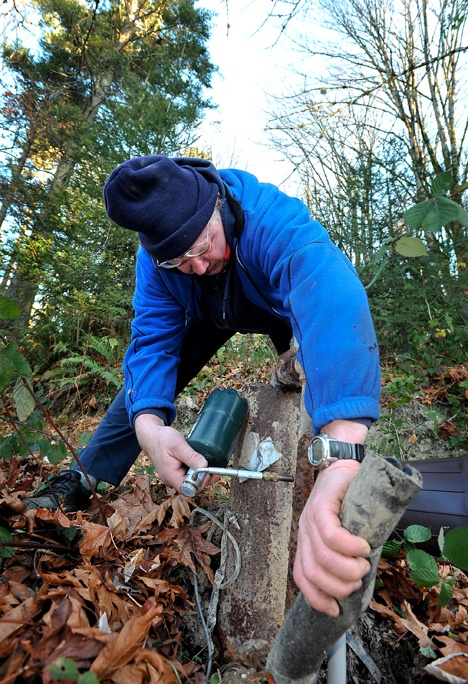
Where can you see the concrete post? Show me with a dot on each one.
(252, 610)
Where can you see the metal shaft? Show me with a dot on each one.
(251, 474)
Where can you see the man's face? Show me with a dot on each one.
(213, 260)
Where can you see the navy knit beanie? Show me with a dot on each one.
(169, 204)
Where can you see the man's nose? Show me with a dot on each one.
(199, 265)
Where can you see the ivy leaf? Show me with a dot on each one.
(7, 371)
(8, 309)
(442, 212)
(410, 247)
(68, 532)
(446, 593)
(416, 215)
(63, 668)
(425, 571)
(87, 678)
(55, 452)
(6, 551)
(428, 652)
(16, 359)
(462, 216)
(391, 548)
(417, 533)
(441, 183)
(23, 400)
(456, 547)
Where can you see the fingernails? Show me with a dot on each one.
(366, 549)
(357, 585)
(333, 611)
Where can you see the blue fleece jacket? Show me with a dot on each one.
(287, 264)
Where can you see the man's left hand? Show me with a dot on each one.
(330, 561)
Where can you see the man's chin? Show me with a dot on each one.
(215, 269)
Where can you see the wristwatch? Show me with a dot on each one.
(324, 450)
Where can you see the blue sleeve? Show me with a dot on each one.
(337, 343)
(150, 363)
(306, 278)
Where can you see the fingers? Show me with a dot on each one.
(324, 574)
(330, 561)
(322, 584)
(169, 452)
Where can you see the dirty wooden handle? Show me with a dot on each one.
(372, 507)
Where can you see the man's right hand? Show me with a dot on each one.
(168, 451)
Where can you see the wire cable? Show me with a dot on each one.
(208, 626)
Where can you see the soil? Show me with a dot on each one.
(407, 431)
(412, 430)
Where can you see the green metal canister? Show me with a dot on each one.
(218, 426)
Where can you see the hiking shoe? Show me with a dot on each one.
(65, 488)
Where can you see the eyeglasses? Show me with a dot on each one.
(196, 251)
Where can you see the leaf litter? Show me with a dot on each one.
(110, 596)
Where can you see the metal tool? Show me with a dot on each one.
(194, 478)
(215, 433)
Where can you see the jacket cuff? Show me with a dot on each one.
(161, 413)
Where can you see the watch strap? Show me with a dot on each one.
(343, 450)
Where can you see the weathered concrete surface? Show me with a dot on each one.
(251, 611)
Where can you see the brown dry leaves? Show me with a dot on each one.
(111, 599)
(414, 611)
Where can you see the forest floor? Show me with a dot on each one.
(103, 595)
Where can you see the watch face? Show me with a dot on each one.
(316, 451)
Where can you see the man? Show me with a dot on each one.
(222, 253)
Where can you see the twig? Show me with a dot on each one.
(36, 546)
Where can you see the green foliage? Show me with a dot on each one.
(415, 286)
(433, 214)
(410, 247)
(424, 569)
(14, 368)
(66, 669)
(402, 386)
(425, 572)
(8, 309)
(69, 533)
(456, 547)
(21, 438)
(402, 389)
(100, 87)
(100, 360)
(6, 551)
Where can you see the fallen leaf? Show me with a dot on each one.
(12, 621)
(188, 540)
(123, 646)
(451, 646)
(117, 525)
(55, 517)
(452, 668)
(162, 667)
(96, 538)
(409, 623)
(180, 510)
